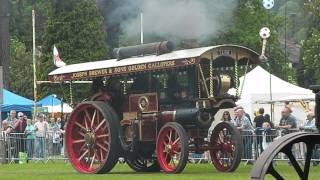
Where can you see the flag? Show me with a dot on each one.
(56, 58)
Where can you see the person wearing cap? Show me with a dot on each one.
(246, 114)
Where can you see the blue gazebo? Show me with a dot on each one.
(12, 101)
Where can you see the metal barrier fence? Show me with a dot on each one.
(17, 148)
(255, 142)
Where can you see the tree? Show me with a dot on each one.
(313, 7)
(249, 18)
(4, 41)
(21, 70)
(21, 64)
(311, 47)
(75, 27)
(21, 20)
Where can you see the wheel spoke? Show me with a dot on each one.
(105, 149)
(85, 123)
(82, 147)
(81, 133)
(80, 125)
(93, 117)
(294, 162)
(176, 152)
(78, 141)
(274, 173)
(86, 152)
(87, 115)
(176, 141)
(221, 138)
(102, 135)
(166, 157)
(92, 160)
(101, 123)
(310, 148)
(101, 156)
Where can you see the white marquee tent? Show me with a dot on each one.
(255, 91)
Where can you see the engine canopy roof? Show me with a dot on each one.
(174, 59)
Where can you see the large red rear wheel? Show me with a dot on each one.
(91, 138)
(225, 147)
(172, 148)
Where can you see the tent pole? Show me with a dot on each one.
(270, 92)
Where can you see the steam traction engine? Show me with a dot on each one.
(153, 106)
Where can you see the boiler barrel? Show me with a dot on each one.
(183, 116)
(143, 49)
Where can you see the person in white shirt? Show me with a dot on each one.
(40, 128)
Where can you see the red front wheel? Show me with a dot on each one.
(172, 148)
(91, 138)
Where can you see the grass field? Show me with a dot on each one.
(61, 170)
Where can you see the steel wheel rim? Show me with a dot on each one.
(224, 155)
(88, 139)
(169, 149)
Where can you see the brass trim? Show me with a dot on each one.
(143, 103)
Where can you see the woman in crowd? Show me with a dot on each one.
(29, 131)
(226, 117)
(53, 136)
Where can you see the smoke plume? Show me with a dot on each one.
(180, 19)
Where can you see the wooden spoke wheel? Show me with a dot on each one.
(91, 138)
(172, 148)
(225, 147)
(141, 164)
(264, 165)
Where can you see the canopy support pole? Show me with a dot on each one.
(71, 94)
(34, 64)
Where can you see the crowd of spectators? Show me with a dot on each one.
(35, 138)
(261, 131)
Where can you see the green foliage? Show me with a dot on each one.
(21, 20)
(311, 47)
(311, 58)
(250, 17)
(75, 27)
(313, 7)
(21, 69)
